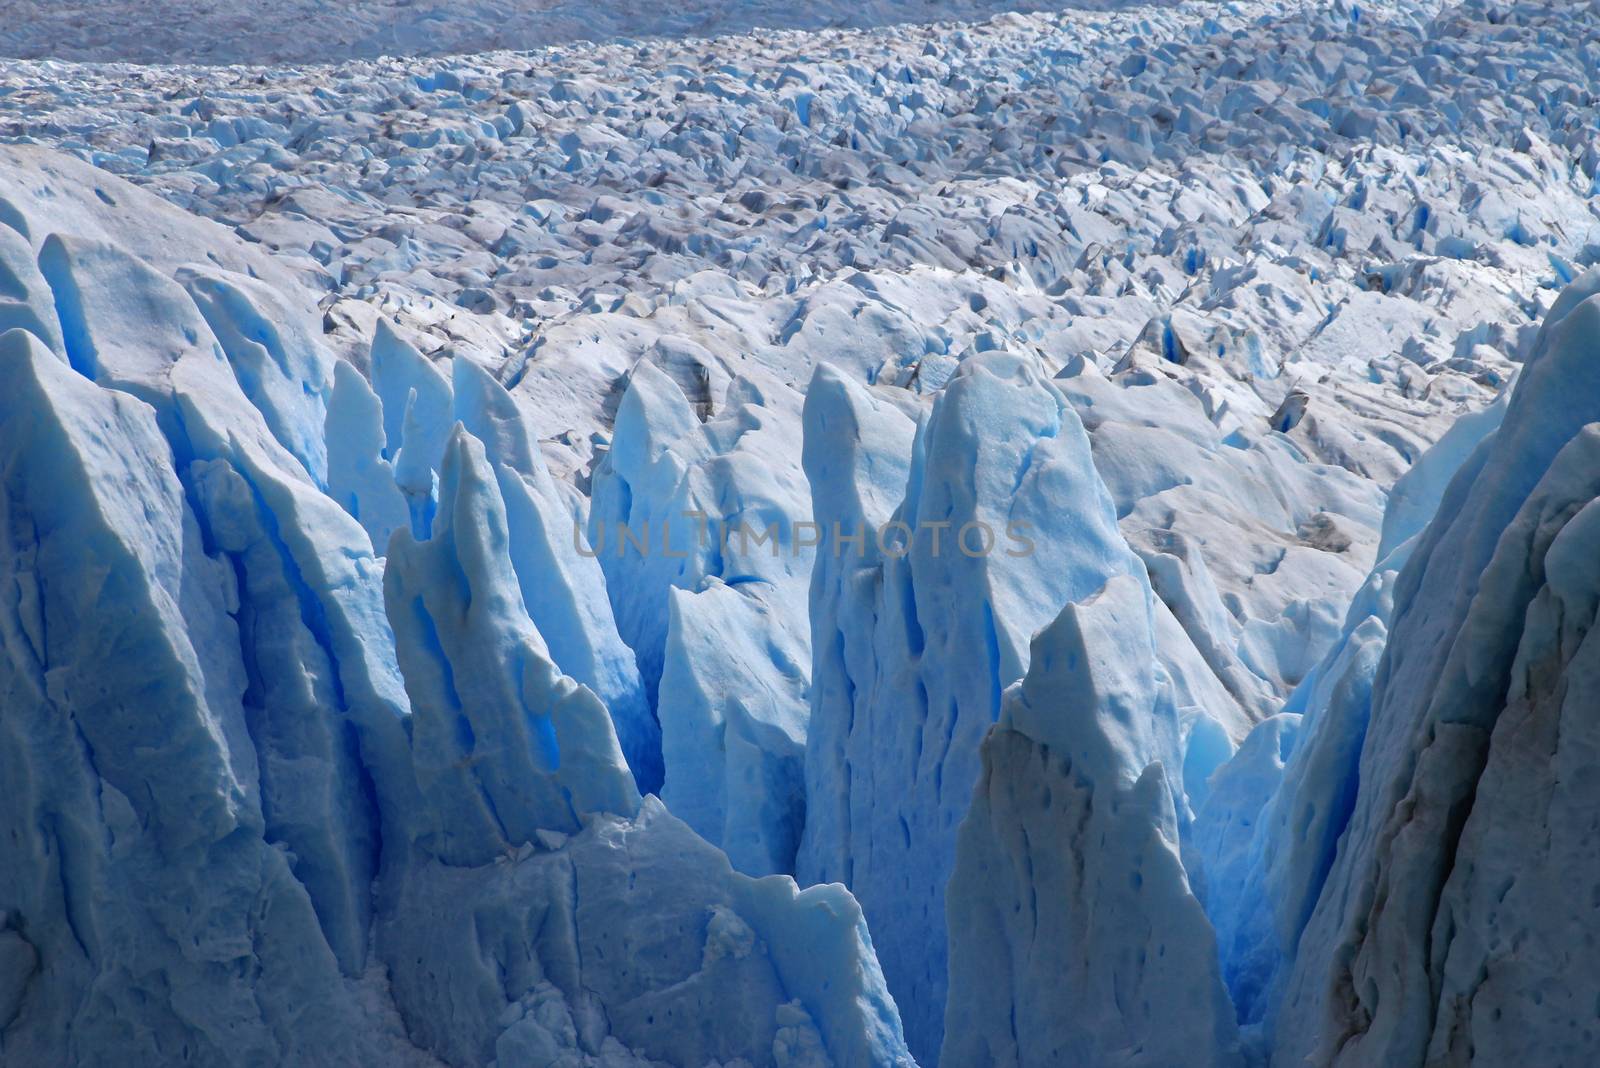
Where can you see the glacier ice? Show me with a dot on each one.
(695, 526)
(113, 813)
(1484, 657)
(329, 758)
(1351, 821)
(470, 533)
(563, 589)
(504, 746)
(360, 473)
(1074, 935)
(937, 630)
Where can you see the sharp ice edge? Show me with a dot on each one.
(326, 639)
(311, 795)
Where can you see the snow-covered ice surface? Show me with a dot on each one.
(312, 31)
(368, 421)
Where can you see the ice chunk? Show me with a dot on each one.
(360, 476)
(563, 587)
(504, 744)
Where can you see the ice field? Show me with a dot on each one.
(757, 535)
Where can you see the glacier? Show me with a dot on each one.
(993, 535)
(340, 750)
(1468, 709)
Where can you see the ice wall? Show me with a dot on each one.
(917, 638)
(1074, 934)
(1446, 924)
(272, 797)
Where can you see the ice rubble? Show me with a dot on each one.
(847, 277)
(331, 759)
(305, 31)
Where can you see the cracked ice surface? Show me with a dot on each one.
(1196, 293)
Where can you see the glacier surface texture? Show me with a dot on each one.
(972, 534)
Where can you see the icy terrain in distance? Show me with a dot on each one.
(1065, 538)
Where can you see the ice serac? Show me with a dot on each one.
(734, 724)
(24, 297)
(1007, 521)
(643, 519)
(1416, 494)
(280, 365)
(1447, 929)
(417, 406)
(131, 780)
(857, 454)
(360, 473)
(553, 913)
(309, 665)
(232, 830)
(504, 744)
(696, 526)
(1074, 935)
(563, 587)
(1268, 833)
